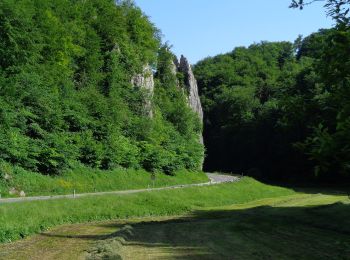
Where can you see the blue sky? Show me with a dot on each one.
(202, 28)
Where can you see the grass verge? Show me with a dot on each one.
(22, 219)
(84, 180)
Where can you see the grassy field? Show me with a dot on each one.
(244, 220)
(22, 219)
(279, 228)
(87, 180)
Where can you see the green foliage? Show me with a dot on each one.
(328, 145)
(65, 91)
(241, 93)
(280, 109)
(337, 9)
(175, 138)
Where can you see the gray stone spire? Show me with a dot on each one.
(191, 87)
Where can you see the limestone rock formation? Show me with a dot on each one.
(145, 81)
(191, 86)
(13, 191)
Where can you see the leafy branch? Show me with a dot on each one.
(337, 9)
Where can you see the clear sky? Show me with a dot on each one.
(202, 28)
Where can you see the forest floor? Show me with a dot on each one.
(302, 225)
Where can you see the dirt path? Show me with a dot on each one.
(214, 179)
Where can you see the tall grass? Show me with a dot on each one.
(20, 220)
(83, 179)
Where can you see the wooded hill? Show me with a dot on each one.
(89, 84)
(280, 110)
(66, 93)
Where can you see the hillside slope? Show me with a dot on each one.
(77, 89)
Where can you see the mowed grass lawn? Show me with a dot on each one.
(292, 227)
(244, 220)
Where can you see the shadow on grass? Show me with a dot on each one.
(321, 232)
(312, 187)
(84, 237)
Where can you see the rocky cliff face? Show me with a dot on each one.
(191, 86)
(188, 85)
(145, 81)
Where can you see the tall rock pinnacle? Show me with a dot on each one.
(191, 86)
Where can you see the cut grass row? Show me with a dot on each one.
(301, 226)
(85, 180)
(21, 220)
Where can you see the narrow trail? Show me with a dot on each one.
(214, 179)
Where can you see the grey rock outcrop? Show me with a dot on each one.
(145, 81)
(13, 191)
(5, 176)
(191, 86)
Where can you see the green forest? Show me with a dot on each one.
(68, 102)
(66, 97)
(113, 147)
(281, 110)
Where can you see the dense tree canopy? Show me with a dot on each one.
(273, 110)
(65, 92)
(280, 110)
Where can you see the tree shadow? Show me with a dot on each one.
(311, 187)
(313, 232)
(83, 237)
